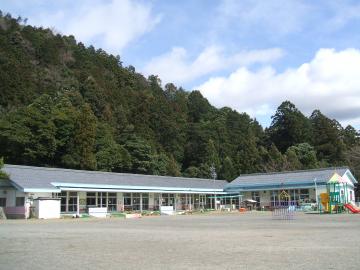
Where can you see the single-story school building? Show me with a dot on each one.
(78, 190)
(301, 186)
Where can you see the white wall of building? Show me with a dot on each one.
(265, 197)
(349, 188)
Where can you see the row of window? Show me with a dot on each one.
(20, 201)
(101, 199)
(132, 201)
(289, 195)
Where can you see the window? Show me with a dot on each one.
(157, 201)
(196, 201)
(304, 195)
(182, 202)
(167, 199)
(274, 197)
(136, 201)
(172, 199)
(351, 195)
(227, 200)
(91, 199)
(236, 201)
(2, 202)
(127, 201)
(62, 197)
(20, 201)
(101, 199)
(72, 202)
(145, 201)
(112, 201)
(209, 201)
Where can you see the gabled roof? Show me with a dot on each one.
(336, 178)
(28, 178)
(286, 179)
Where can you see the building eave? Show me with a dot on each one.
(256, 187)
(140, 190)
(126, 188)
(351, 176)
(42, 190)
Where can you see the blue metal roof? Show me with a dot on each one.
(292, 179)
(54, 179)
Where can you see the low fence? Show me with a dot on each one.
(284, 210)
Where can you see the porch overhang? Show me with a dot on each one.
(258, 187)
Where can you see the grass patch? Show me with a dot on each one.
(118, 215)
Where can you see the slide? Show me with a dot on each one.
(352, 208)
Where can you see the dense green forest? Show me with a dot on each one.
(66, 105)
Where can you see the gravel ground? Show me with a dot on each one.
(213, 241)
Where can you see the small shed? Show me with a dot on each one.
(46, 208)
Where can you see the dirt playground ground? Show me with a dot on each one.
(208, 241)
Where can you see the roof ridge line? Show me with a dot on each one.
(104, 172)
(296, 171)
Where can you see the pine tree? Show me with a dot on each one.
(211, 155)
(84, 138)
(142, 156)
(351, 136)
(292, 160)
(289, 127)
(228, 171)
(173, 167)
(276, 160)
(192, 172)
(327, 138)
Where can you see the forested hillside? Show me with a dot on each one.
(66, 105)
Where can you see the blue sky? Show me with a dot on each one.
(249, 55)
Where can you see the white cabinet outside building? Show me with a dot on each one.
(46, 208)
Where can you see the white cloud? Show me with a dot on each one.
(329, 82)
(175, 66)
(111, 25)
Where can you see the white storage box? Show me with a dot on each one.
(167, 210)
(46, 208)
(100, 212)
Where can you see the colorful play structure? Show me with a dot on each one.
(337, 198)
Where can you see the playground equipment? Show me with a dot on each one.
(336, 199)
(285, 208)
(324, 199)
(352, 208)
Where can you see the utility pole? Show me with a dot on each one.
(316, 193)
